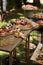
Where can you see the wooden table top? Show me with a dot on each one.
(10, 47)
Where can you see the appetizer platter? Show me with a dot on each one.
(16, 26)
(22, 24)
(38, 54)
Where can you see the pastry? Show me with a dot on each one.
(29, 7)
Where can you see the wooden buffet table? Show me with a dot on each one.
(11, 47)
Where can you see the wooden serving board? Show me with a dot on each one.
(36, 53)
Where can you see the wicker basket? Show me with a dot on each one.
(6, 40)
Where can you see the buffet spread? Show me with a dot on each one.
(15, 27)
